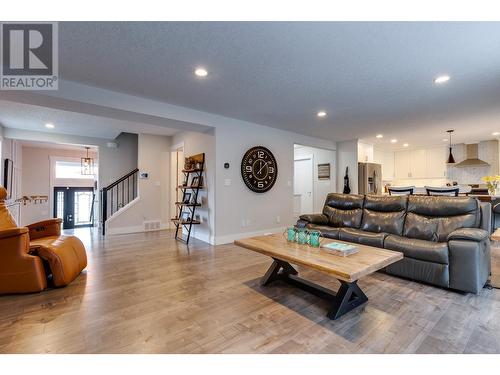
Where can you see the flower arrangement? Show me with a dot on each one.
(492, 183)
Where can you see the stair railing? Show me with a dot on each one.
(117, 195)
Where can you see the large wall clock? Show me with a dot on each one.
(259, 169)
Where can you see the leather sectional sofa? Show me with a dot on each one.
(445, 240)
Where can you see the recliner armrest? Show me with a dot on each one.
(469, 234)
(51, 227)
(319, 219)
(6, 233)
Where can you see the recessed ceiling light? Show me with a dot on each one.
(49, 126)
(405, 145)
(445, 140)
(495, 133)
(201, 72)
(441, 79)
(321, 114)
(379, 136)
(394, 140)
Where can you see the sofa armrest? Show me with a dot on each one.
(469, 234)
(51, 227)
(14, 232)
(319, 219)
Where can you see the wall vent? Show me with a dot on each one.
(151, 225)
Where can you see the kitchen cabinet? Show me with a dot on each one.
(402, 164)
(410, 164)
(418, 163)
(436, 162)
(386, 160)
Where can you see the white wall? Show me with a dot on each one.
(117, 162)
(320, 187)
(347, 156)
(38, 178)
(196, 143)
(239, 212)
(153, 202)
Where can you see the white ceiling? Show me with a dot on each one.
(371, 77)
(31, 117)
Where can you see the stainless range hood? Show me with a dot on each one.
(471, 158)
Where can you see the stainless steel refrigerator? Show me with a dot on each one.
(369, 178)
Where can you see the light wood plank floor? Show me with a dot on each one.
(146, 293)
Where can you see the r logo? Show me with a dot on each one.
(29, 56)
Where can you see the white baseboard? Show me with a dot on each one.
(221, 240)
(134, 229)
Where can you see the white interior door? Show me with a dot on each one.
(303, 184)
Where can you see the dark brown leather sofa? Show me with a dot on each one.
(445, 240)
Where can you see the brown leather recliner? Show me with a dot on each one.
(23, 249)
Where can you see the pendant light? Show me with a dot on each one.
(451, 159)
(87, 164)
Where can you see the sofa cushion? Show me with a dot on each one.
(326, 231)
(362, 237)
(428, 251)
(384, 214)
(450, 213)
(344, 210)
(420, 227)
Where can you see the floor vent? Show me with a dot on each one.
(151, 225)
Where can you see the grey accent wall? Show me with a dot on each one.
(117, 162)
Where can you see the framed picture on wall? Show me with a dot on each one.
(8, 178)
(324, 171)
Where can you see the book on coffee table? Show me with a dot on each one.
(339, 248)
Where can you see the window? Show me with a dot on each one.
(71, 169)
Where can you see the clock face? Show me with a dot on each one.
(259, 169)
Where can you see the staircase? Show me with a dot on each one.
(117, 195)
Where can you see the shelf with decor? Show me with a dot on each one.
(186, 208)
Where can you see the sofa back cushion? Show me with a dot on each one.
(344, 210)
(440, 214)
(384, 214)
(420, 227)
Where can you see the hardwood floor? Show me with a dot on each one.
(146, 293)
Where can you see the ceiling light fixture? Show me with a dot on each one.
(451, 159)
(201, 72)
(405, 145)
(321, 114)
(49, 126)
(379, 136)
(495, 133)
(394, 140)
(441, 79)
(445, 139)
(87, 164)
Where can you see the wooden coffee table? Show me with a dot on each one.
(348, 270)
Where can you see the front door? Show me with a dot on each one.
(74, 206)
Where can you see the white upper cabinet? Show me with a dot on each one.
(386, 159)
(423, 163)
(402, 164)
(436, 162)
(418, 163)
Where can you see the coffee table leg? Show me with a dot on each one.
(273, 273)
(348, 297)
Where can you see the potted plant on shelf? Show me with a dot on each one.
(492, 183)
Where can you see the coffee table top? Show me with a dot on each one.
(367, 260)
